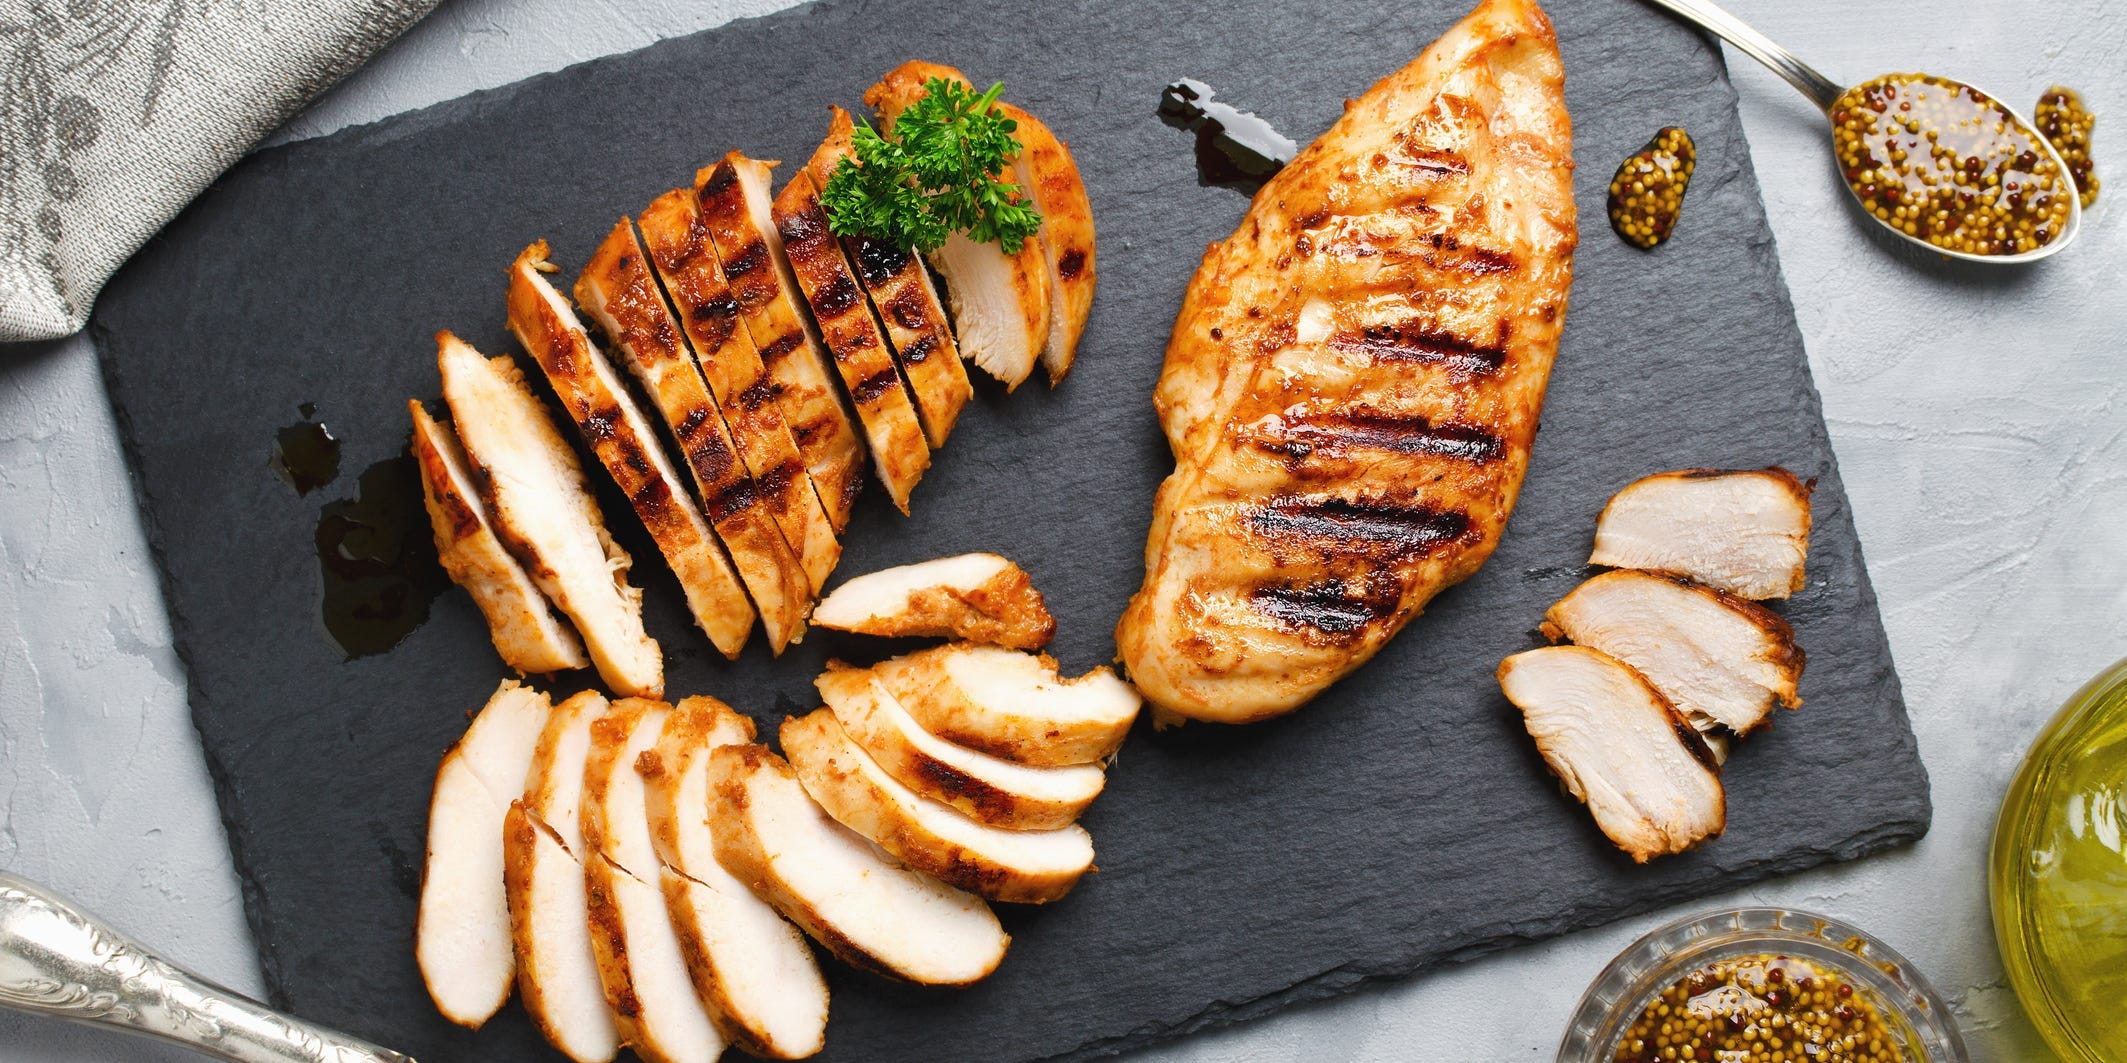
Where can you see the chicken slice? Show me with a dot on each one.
(1000, 300)
(1021, 867)
(521, 623)
(900, 292)
(865, 908)
(620, 435)
(619, 292)
(750, 966)
(557, 970)
(1012, 705)
(462, 936)
(1354, 379)
(1045, 170)
(1619, 747)
(1721, 661)
(979, 597)
(736, 206)
(898, 453)
(1744, 532)
(987, 789)
(676, 238)
(640, 960)
(544, 513)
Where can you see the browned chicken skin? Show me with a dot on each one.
(1355, 375)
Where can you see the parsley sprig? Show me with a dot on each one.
(937, 174)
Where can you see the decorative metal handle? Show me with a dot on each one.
(1820, 89)
(56, 959)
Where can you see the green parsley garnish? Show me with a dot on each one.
(936, 175)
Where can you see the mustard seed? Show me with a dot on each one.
(2063, 120)
(1731, 1010)
(1647, 194)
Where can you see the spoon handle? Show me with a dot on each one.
(58, 960)
(1758, 46)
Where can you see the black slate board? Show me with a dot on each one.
(1401, 821)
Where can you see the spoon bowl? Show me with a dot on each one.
(1826, 94)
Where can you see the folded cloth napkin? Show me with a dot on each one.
(115, 113)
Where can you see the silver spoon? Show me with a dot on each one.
(1825, 94)
(58, 960)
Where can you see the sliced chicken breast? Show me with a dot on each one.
(676, 238)
(1721, 661)
(1619, 747)
(619, 291)
(543, 512)
(751, 967)
(462, 936)
(900, 293)
(865, 908)
(620, 435)
(1013, 705)
(737, 207)
(987, 789)
(898, 452)
(557, 970)
(1744, 532)
(1021, 867)
(1045, 170)
(978, 597)
(1000, 300)
(520, 621)
(640, 958)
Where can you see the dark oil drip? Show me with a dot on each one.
(1234, 148)
(376, 562)
(305, 454)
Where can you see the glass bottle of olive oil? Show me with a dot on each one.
(2059, 876)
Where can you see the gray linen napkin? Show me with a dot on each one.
(115, 113)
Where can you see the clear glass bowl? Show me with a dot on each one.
(1921, 1025)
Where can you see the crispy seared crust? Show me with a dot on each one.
(619, 292)
(676, 238)
(522, 624)
(849, 694)
(625, 444)
(749, 252)
(924, 686)
(1045, 168)
(495, 410)
(1006, 610)
(1354, 378)
(900, 292)
(828, 762)
(898, 451)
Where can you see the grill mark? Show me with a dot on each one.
(776, 481)
(908, 308)
(598, 427)
(756, 395)
(879, 261)
(712, 460)
(837, 297)
(804, 230)
(721, 180)
(690, 425)
(783, 345)
(748, 261)
(1476, 261)
(1325, 607)
(1373, 528)
(875, 385)
(1414, 341)
(1341, 433)
(1071, 264)
(736, 498)
(919, 350)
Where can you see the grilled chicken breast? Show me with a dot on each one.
(979, 597)
(898, 452)
(676, 238)
(543, 512)
(1000, 300)
(1045, 170)
(1012, 705)
(1354, 378)
(736, 206)
(621, 436)
(900, 292)
(1744, 532)
(522, 625)
(619, 292)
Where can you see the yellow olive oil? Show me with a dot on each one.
(2059, 876)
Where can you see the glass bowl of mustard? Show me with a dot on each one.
(1760, 985)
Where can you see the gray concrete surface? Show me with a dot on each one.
(1978, 418)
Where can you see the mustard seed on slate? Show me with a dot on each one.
(1743, 1010)
(1944, 162)
(2063, 120)
(1648, 192)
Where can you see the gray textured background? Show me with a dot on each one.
(1978, 423)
